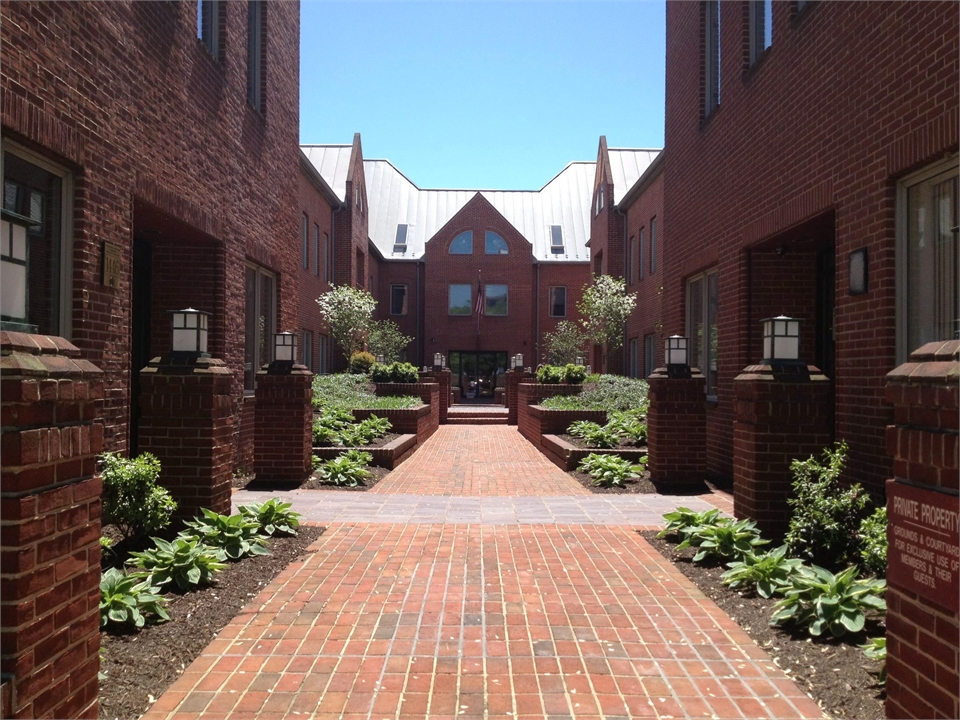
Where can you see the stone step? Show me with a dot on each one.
(474, 420)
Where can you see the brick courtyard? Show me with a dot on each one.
(518, 595)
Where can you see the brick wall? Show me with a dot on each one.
(878, 92)
(531, 393)
(574, 277)
(402, 272)
(676, 429)
(49, 541)
(319, 211)
(428, 392)
(284, 424)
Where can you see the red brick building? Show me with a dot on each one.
(812, 172)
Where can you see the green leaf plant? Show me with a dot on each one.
(234, 536)
(723, 540)
(183, 561)
(609, 470)
(127, 599)
(765, 573)
(273, 517)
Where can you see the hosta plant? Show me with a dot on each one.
(683, 519)
(273, 516)
(364, 432)
(185, 562)
(234, 536)
(876, 649)
(725, 539)
(609, 470)
(345, 469)
(825, 602)
(129, 600)
(594, 435)
(766, 573)
(630, 424)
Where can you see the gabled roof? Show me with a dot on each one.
(333, 164)
(626, 167)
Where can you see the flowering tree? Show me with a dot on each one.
(387, 340)
(349, 313)
(605, 307)
(565, 344)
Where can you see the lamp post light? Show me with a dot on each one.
(285, 348)
(13, 270)
(380, 359)
(676, 354)
(437, 360)
(519, 361)
(190, 332)
(443, 362)
(781, 340)
(579, 359)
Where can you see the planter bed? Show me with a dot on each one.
(536, 421)
(386, 456)
(568, 456)
(422, 420)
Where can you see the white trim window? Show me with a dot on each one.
(41, 191)
(398, 299)
(260, 322)
(702, 327)
(649, 355)
(927, 258)
(307, 349)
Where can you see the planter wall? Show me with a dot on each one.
(535, 421)
(568, 457)
(387, 456)
(429, 392)
(421, 421)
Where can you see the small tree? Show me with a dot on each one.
(349, 312)
(564, 345)
(605, 307)
(387, 340)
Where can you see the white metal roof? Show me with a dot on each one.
(333, 164)
(626, 167)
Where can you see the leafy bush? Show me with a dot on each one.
(129, 599)
(386, 339)
(594, 435)
(132, 500)
(273, 516)
(824, 528)
(183, 561)
(398, 372)
(550, 374)
(821, 601)
(630, 424)
(364, 432)
(361, 362)
(565, 344)
(380, 373)
(604, 392)
(723, 539)
(873, 542)
(327, 427)
(347, 469)
(682, 520)
(765, 573)
(234, 536)
(574, 374)
(345, 392)
(609, 470)
(876, 649)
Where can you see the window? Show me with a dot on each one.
(398, 299)
(324, 343)
(260, 322)
(495, 300)
(649, 356)
(306, 349)
(462, 244)
(653, 245)
(306, 241)
(256, 52)
(461, 297)
(927, 287)
(631, 253)
(711, 56)
(359, 193)
(761, 27)
(36, 286)
(557, 301)
(494, 244)
(316, 250)
(643, 250)
(400, 243)
(634, 368)
(361, 269)
(208, 25)
(556, 239)
(599, 200)
(702, 327)
(327, 258)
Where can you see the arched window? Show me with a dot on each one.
(462, 244)
(495, 245)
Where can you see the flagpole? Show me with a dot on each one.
(479, 300)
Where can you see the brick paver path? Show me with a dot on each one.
(469, 614)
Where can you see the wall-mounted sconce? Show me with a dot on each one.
(859, 277)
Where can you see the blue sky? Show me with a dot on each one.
(488, 95)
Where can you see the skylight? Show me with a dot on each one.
(400, 244)
(556, 239)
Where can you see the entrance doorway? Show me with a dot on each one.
(478, 374)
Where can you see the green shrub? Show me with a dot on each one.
(764, 573)
(594, 435)
(682, 520)
(361, 362)
(273, 517)
(604, 392)
(183, 561)
(132, 500)
(630, 424)
(550, 374)
(724, 539)
(609, 470)
(403, 372)
(825, 525)
(364, 432)
(234, 536)
(347, 469)
(821, 601)
(129, 599)
(380, 373)
(574, 374)
(327, 427)
(876, 649)
(873, 542)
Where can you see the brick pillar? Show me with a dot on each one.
(677, 429)
(923, 592)
(50, 530)
(444, 379)
(187, 421)
(782, 412)
(511, 393)
(283, 445)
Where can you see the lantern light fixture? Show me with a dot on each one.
(443, 362)
(380, 359)
(519, 360)
(676, 350)
(285, 347)
(190, 331)
(437, 360)
(579, 360)
(781, 339)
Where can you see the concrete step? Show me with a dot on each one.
(474, 420)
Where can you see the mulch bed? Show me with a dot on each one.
(625, 443)
(632, 487)
(835, 673)
(376, 475)
(141, 665)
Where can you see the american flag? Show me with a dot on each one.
(478, 308)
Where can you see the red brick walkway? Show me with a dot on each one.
(463, 620)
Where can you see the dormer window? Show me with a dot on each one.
(495, 245)
(556, 239)
(400, 244)
(462, 244)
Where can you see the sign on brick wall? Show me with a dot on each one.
(923, 555)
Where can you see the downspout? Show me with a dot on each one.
(623, 340)
(536, 342)
(419, 329)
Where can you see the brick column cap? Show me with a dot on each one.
(782, 373)
(282, 368)
(34, 344)
(661, 373)
(936, 362)
(23, 354)
(174, 365)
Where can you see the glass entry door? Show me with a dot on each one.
(478, 374)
